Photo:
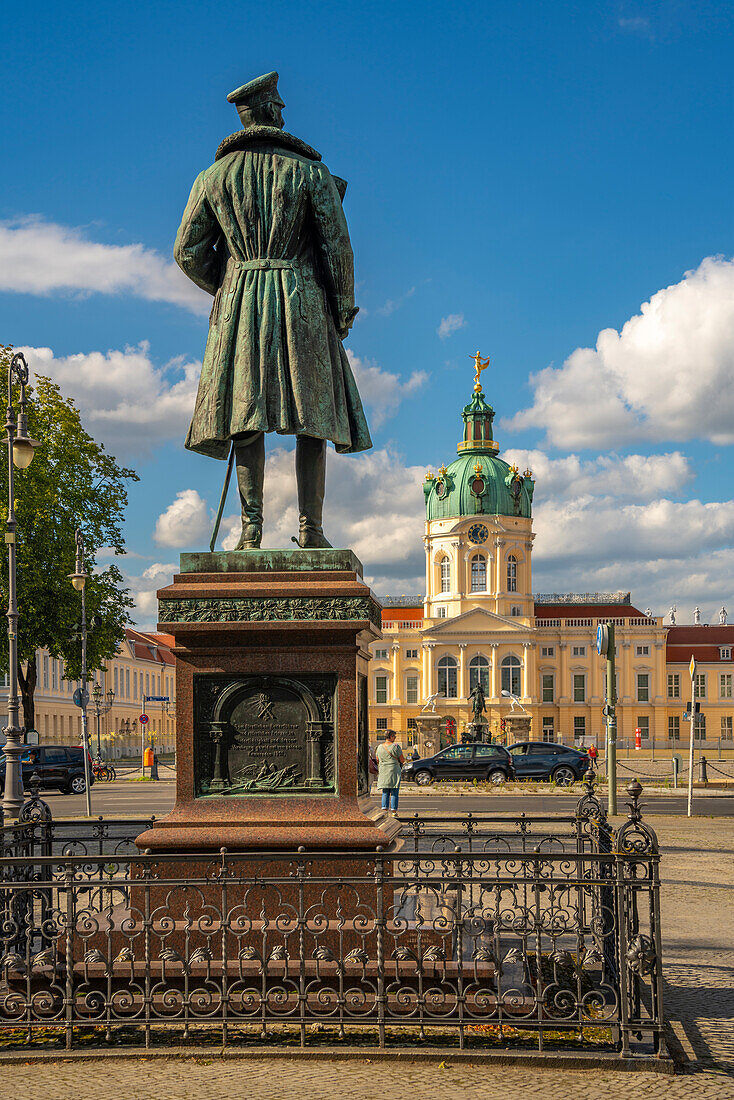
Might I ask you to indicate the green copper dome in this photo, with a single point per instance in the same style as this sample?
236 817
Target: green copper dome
478 482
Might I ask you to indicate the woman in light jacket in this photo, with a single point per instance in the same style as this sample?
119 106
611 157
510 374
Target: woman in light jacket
390 762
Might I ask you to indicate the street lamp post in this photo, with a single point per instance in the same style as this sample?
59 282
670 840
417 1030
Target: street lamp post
102 705
20 454
79 580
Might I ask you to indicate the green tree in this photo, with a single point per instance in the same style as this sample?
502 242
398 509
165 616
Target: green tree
72 482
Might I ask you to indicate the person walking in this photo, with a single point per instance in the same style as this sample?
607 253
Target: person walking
390 762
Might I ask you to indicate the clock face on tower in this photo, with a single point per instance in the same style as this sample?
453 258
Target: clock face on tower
478 533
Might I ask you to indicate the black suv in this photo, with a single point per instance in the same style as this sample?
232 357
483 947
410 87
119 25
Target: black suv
544 760
58 766
473 761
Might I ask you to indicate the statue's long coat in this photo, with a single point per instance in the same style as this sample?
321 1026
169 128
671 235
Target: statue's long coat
265 233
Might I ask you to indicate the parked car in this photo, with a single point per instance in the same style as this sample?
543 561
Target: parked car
544 760
58 766
471 761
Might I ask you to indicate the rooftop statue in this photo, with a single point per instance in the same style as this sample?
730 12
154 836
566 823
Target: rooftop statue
264 233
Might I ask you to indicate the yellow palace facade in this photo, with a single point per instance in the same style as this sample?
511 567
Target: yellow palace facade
535 656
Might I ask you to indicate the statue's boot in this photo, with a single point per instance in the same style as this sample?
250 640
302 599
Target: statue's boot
249 453
311 480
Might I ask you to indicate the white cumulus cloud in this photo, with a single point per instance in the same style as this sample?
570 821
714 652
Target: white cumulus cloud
185 521
666 375
631 477
126 400
450 324
40 257
381 390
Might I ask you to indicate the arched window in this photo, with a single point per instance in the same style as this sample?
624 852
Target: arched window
479 673
447 677
512 573
511 675
445 575
478 574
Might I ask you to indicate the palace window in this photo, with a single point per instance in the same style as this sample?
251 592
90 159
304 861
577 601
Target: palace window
643 723
411 654
445 575
700 685
45 673
643 687
674 727
127 683
380 689
725 685
381 723
548 729
515 611
478 574
447 677
479 673
642 651
512 573
699 727
673 685
54 677
381 654
727 727
411 689
579 727
725 652
441 613
578 650
548 688
579 688
116 681
547 651
511 675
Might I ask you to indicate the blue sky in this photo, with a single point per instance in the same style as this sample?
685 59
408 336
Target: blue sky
529 174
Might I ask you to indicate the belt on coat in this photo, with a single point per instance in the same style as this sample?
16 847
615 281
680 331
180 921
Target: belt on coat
264 264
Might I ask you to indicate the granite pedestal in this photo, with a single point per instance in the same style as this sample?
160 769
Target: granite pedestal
271 703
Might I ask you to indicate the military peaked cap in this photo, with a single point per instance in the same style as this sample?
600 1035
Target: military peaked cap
263 89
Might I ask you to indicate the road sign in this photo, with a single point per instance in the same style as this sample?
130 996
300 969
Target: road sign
602 639
157 699
81 700
143 719
692 666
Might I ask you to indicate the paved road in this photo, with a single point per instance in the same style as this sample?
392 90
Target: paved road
125 798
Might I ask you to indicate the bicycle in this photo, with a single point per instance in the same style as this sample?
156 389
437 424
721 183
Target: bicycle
103 773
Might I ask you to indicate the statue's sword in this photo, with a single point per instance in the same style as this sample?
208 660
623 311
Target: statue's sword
222 499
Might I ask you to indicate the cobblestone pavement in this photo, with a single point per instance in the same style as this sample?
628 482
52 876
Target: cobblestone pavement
698 931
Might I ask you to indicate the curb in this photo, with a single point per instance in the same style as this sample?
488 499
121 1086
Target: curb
579 1060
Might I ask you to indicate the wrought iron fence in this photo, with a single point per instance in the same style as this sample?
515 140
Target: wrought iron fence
470 927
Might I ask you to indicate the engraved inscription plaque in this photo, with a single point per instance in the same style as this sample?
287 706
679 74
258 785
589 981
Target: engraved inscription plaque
263 735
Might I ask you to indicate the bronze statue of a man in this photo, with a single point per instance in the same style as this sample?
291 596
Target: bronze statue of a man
264 232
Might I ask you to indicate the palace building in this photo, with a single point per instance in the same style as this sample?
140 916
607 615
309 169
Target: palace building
535 655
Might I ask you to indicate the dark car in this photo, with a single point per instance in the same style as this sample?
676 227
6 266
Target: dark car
473 761
58 766
544 760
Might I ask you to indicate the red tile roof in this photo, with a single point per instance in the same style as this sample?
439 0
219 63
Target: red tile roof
701 642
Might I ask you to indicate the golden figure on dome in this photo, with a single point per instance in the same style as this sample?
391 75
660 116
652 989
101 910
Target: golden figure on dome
479 365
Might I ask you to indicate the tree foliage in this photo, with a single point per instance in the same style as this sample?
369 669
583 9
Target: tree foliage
72 482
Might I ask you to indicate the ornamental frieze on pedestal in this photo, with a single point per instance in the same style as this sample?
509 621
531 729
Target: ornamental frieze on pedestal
268 609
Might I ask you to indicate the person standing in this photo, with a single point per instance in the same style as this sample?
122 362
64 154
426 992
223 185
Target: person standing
592 753
390 762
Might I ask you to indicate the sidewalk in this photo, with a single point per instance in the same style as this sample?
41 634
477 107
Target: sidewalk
698 934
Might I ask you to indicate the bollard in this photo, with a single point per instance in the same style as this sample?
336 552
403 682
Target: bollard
675 772
704 772
154 767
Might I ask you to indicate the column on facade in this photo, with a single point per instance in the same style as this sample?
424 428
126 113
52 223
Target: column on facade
494 684
428 668
462 671
564 692
396 691
526 669
498 585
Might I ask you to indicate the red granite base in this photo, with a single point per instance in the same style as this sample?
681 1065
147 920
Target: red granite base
342 819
